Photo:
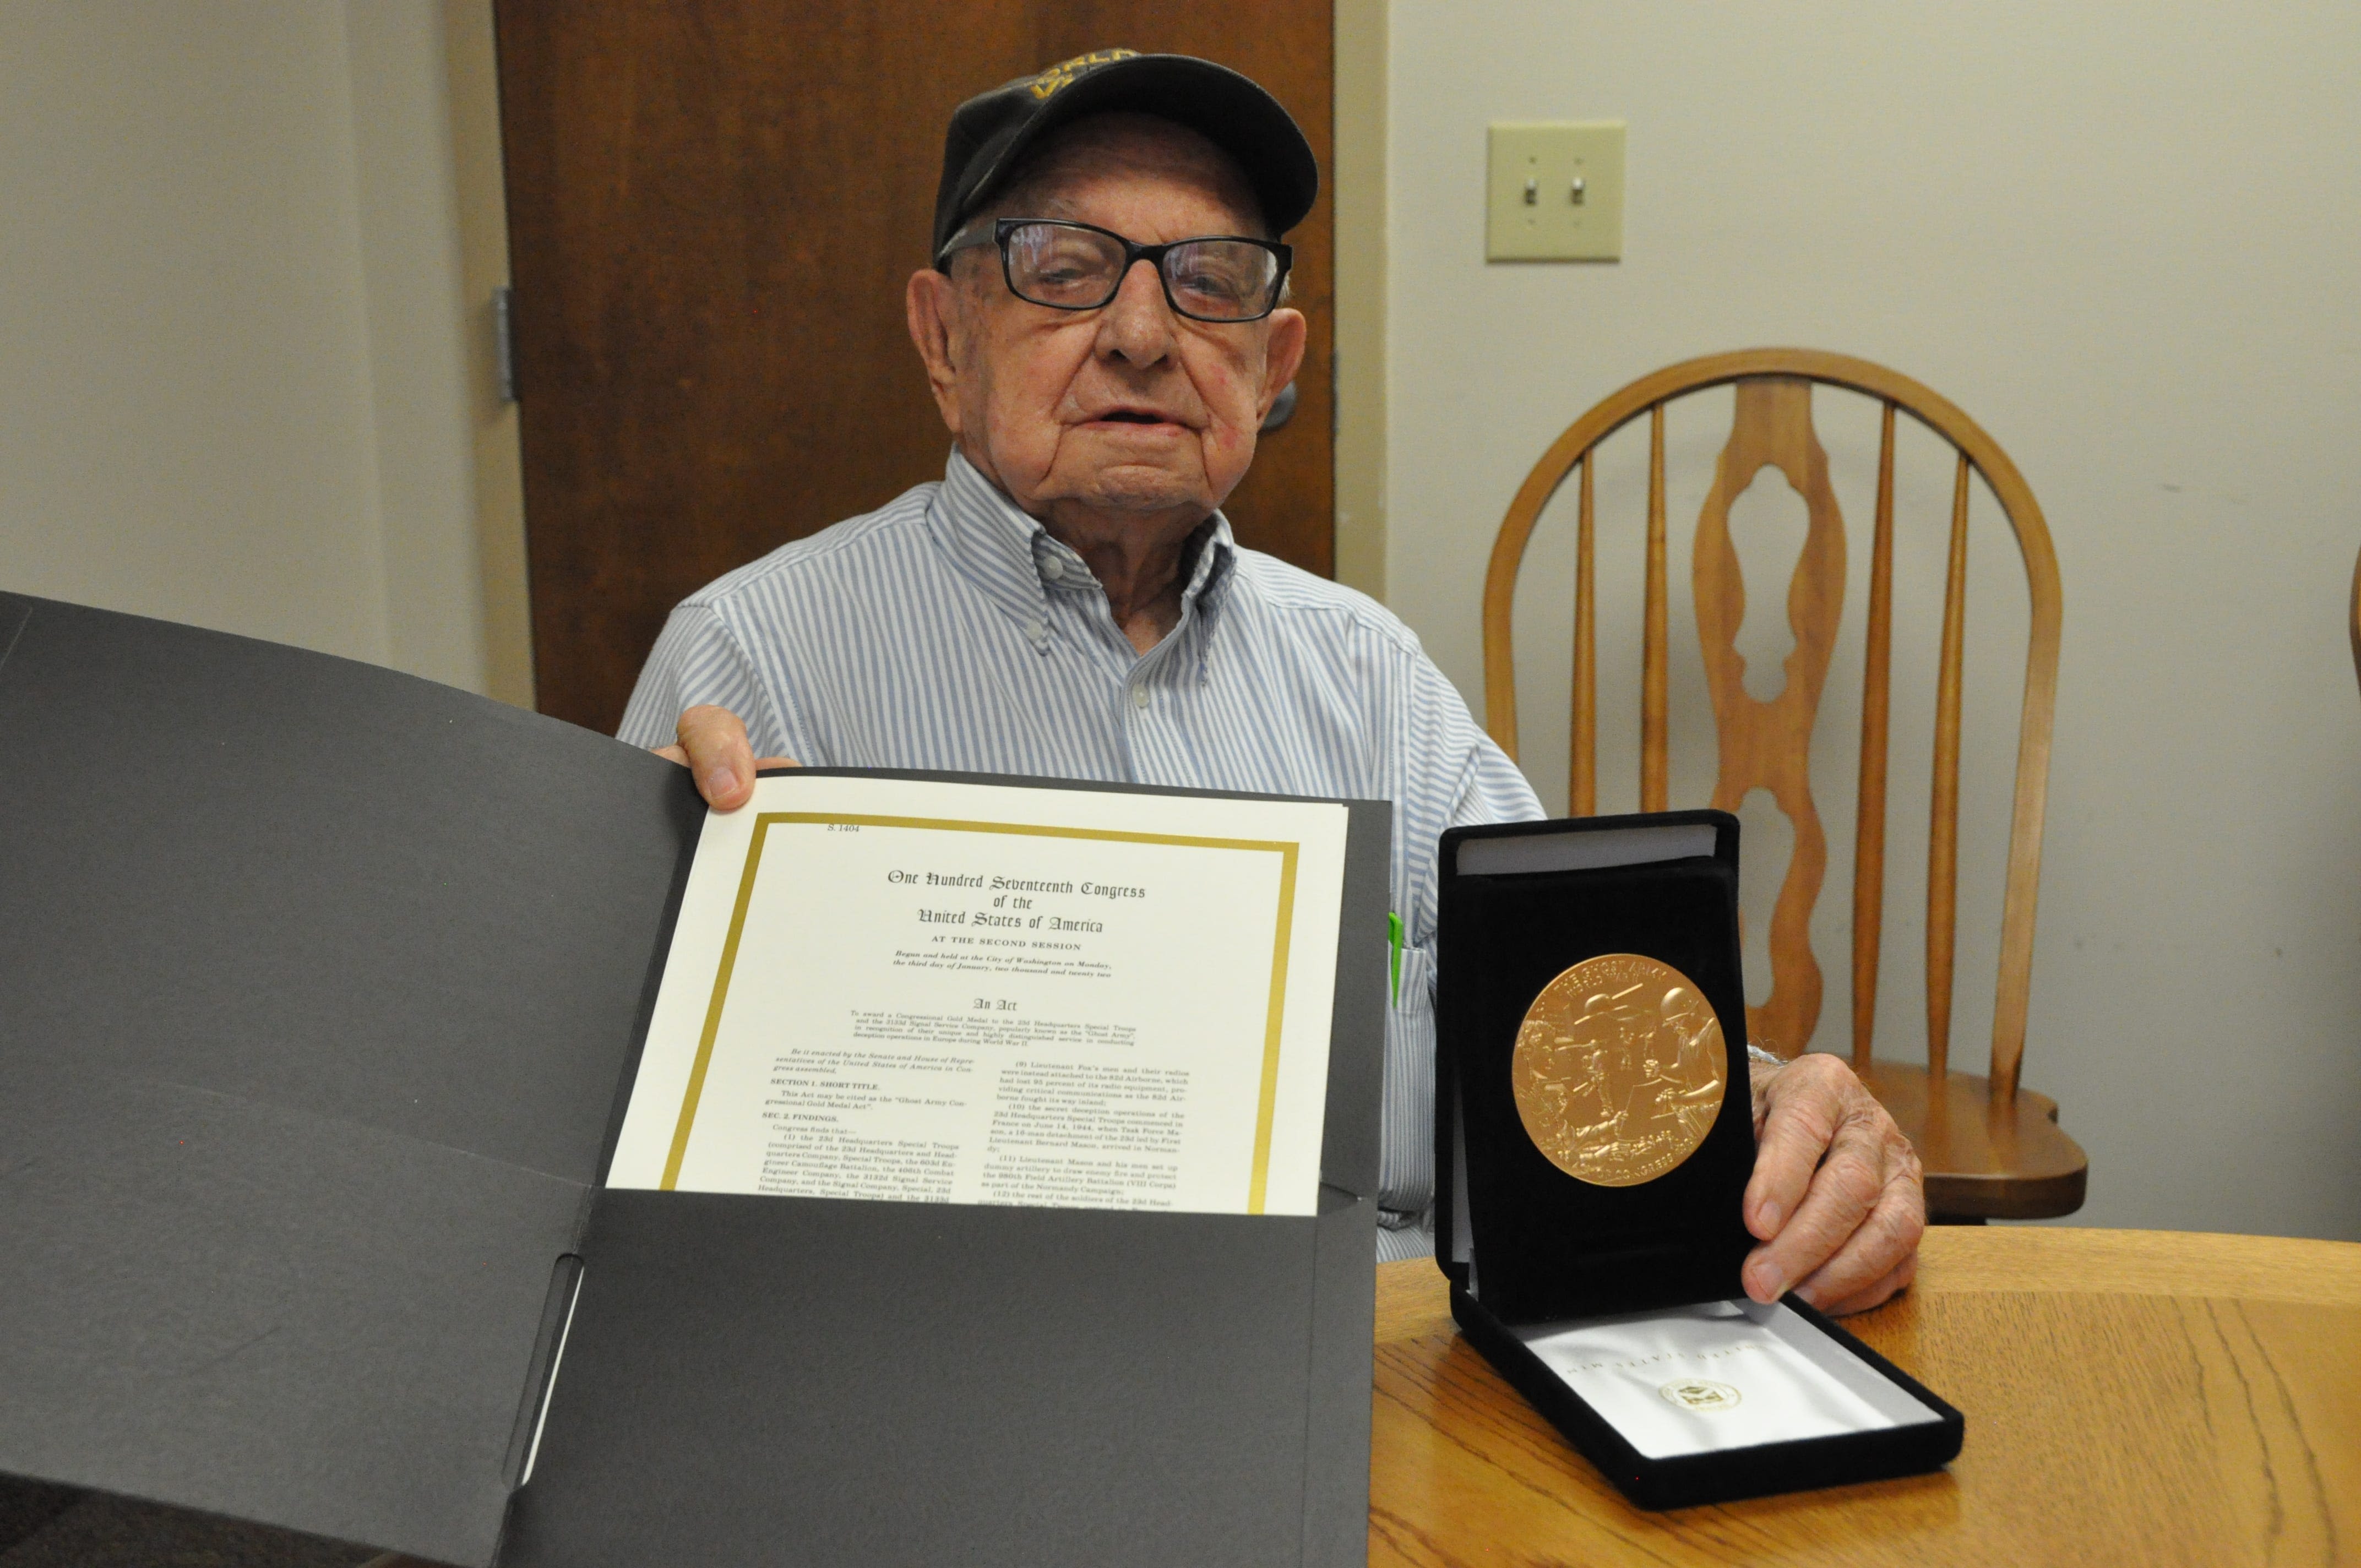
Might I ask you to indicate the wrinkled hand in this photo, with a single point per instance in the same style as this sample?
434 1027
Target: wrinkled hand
1837 1198
714 748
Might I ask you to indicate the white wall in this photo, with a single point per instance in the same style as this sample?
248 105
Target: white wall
2129 241
233 366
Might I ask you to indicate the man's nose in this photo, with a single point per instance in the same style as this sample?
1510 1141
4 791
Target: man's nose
1137 323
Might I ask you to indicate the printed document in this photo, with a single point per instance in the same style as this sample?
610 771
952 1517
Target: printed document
983 993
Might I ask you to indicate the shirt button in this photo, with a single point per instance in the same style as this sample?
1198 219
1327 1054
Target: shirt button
1035 630
1140 697
1053 568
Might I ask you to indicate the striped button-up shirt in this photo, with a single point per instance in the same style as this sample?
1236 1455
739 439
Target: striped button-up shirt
949 631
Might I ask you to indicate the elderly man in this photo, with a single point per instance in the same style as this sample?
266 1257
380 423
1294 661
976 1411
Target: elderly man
1104 329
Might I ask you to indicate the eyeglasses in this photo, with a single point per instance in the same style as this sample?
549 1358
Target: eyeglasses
1078 266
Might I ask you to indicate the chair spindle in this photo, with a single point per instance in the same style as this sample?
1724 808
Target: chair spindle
1656 745
1582 771
1583 761
1869 839
1943 826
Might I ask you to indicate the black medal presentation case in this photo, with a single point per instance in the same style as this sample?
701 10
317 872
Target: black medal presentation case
1617 1309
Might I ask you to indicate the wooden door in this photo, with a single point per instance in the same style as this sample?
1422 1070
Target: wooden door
712 207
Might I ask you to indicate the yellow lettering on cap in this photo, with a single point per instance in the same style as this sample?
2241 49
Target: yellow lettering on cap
1063 74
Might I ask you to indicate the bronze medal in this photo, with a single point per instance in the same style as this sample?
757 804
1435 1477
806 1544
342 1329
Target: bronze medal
1619 1070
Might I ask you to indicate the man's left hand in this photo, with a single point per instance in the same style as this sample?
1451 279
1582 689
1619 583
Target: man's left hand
1838 1199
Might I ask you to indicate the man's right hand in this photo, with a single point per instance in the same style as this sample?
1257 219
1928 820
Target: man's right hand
714 749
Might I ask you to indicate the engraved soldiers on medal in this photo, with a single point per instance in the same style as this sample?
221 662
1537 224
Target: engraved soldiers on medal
1619 1070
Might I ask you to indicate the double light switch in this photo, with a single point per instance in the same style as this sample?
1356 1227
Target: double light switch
1556 191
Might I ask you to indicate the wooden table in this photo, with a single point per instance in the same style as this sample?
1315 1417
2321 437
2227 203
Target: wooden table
2133 1396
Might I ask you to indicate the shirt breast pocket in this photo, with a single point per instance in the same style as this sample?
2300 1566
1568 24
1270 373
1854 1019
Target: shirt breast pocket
1413 989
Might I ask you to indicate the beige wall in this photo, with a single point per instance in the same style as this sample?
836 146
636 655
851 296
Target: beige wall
2125 240
231 315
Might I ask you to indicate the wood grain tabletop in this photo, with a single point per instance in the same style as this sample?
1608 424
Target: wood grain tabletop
2132 1397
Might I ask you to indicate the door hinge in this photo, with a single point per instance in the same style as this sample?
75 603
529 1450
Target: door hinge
504 364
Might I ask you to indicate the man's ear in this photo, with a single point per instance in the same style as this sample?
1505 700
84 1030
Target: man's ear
932 304
1283 356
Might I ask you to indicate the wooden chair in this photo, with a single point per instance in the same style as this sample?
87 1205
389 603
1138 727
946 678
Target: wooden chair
1991 1149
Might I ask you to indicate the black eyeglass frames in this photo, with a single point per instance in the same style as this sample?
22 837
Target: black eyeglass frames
1081 266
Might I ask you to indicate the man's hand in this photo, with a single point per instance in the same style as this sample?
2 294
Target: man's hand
1837 1198
713 747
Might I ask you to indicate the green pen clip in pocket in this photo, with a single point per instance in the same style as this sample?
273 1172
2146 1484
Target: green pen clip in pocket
1393 959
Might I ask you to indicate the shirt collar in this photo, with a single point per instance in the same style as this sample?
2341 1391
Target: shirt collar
1012 558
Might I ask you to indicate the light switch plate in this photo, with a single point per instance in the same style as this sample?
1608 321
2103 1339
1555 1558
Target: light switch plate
1556 191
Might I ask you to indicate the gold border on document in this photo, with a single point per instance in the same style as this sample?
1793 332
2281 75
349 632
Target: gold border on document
1258 1181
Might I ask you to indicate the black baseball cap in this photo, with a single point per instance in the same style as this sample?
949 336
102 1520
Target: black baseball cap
991 132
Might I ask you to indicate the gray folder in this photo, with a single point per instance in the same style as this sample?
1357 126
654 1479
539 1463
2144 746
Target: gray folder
320 989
